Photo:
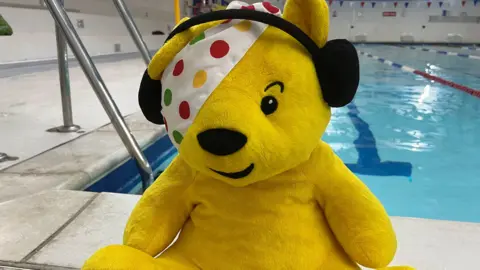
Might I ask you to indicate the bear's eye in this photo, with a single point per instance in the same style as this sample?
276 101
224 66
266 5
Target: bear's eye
269 105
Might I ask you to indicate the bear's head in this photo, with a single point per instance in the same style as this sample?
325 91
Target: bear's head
243 101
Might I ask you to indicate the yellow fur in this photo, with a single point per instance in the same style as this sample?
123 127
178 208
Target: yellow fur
311 16
300 208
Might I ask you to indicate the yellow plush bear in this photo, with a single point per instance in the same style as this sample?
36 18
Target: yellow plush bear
245 94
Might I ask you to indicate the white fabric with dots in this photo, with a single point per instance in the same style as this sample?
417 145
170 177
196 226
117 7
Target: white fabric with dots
201 66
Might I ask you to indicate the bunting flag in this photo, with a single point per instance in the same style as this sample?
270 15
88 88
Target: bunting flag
440 4
330 2
429 4
395 4
362 4
341 3
475 2
406 4
384 4
463 3
373 4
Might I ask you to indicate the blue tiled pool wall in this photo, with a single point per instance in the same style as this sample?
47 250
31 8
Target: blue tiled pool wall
126 177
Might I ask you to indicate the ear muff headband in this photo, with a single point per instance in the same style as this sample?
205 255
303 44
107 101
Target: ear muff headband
336 64
251 15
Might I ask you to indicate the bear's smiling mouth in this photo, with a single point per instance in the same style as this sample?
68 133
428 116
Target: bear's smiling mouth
237 175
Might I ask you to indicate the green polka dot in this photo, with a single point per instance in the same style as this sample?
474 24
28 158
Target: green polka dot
167 97
177 136
198 38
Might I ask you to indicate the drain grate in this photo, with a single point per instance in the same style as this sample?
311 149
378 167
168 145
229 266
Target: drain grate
117 47
4 157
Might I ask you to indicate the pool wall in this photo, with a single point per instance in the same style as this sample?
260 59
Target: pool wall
126 177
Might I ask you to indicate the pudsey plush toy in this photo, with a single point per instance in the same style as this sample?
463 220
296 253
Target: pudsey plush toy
245 94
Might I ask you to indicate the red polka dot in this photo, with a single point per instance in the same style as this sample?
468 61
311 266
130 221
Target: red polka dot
179 66
219 49
184 110
166 125
251 7
270 8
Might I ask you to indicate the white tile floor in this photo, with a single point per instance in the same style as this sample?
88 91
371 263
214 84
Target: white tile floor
27 222
65 161
30 104
86 225
88 231
76 164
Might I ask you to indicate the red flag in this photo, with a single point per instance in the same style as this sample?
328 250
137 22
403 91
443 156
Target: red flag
463 3
330 2
429 4
395 4
362 4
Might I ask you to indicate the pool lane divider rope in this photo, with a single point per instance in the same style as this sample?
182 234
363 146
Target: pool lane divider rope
466 89
463 55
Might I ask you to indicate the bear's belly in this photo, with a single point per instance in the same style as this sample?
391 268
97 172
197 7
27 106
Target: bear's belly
259 227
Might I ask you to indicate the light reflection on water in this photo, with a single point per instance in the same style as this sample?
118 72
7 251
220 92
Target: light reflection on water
434 127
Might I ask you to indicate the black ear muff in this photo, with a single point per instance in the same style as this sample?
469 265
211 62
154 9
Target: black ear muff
338 72
150 99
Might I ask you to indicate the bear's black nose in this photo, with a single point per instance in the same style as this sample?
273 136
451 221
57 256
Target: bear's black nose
221 142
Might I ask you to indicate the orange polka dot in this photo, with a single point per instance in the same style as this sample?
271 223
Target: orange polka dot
199 79
243 26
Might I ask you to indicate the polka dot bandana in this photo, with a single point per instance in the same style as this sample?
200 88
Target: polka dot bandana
202 65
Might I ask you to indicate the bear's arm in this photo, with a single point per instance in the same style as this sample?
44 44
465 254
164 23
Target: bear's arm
356 217
161 211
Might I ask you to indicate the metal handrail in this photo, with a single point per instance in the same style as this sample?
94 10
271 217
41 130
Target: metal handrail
62 56
133 30
61 18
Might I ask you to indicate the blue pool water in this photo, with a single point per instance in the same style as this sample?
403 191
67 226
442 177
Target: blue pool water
415 143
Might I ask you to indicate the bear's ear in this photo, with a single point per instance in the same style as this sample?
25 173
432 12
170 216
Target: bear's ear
168 51
172 47
150 93
336 63
311 16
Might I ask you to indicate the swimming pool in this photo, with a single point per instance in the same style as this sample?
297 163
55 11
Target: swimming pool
413 142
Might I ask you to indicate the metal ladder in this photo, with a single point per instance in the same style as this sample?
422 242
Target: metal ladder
66 33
